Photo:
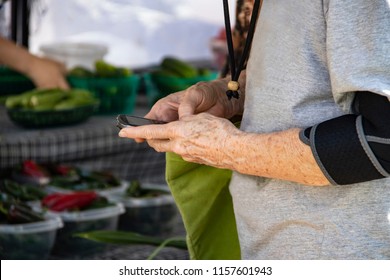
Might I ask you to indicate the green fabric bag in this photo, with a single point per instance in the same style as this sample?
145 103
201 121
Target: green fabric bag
202 195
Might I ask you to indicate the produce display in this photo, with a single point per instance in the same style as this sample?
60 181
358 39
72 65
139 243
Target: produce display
68 178
75 201
29 172
65 178
21 192
51 99
150 209
25 233
103 69
115 87
13 211
38 219
135 189
174 75
51 107
174 67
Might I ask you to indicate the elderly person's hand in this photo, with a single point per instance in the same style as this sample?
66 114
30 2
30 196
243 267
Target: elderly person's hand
197 138
206 97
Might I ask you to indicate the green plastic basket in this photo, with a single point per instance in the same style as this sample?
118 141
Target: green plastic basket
116 95
49 118
12 82
158 86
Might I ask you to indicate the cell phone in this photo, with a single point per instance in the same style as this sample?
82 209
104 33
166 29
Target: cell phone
127 120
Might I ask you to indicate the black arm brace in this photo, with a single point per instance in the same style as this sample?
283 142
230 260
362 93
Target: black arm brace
354 148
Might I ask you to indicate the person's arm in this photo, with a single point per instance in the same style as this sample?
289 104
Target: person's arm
45 73
209 140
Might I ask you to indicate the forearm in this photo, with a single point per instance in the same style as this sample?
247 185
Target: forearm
14 56
280 155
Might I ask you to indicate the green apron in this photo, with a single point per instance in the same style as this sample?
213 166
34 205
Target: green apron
202 195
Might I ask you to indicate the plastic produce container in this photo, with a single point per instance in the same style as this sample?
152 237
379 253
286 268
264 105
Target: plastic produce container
74 54
104 192
30 241
83 221
117 94
155 216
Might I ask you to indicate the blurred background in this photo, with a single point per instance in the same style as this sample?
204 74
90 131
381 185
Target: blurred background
137 33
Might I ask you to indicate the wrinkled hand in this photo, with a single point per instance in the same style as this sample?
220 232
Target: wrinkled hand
47 73
197 138
208 97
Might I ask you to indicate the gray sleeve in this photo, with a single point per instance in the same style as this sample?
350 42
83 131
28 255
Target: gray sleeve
355 148
358 46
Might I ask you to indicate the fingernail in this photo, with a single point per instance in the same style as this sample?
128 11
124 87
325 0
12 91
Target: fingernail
122 133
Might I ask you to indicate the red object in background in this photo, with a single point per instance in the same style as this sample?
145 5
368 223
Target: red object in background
68 201
218 46
63 169
31 168
221 34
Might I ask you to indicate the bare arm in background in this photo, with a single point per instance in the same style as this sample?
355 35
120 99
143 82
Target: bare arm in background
45 73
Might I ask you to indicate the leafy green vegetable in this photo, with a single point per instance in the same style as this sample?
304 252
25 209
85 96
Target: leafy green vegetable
132 238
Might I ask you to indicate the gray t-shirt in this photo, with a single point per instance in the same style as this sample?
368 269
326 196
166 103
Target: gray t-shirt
308 58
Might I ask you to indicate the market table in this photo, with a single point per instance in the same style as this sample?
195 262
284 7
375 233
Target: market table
92 144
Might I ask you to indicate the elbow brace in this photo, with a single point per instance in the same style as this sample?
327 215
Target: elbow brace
354 148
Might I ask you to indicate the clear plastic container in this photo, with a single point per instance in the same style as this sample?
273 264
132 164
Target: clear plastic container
156 216
75 54
30 241
104 192
84 221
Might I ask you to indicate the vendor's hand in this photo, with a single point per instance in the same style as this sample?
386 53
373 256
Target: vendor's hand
197 138
47 73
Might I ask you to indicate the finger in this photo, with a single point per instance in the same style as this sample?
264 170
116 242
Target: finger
188 105
164 110
160 145
139 140
159 131
64 85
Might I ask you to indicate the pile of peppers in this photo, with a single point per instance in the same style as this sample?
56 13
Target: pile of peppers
75 201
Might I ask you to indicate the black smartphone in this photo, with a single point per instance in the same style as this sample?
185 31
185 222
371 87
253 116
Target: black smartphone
127 120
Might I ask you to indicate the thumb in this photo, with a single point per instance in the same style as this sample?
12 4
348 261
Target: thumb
189 104
186 109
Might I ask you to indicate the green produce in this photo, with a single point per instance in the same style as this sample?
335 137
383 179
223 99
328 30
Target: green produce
128 238
132 238
135 190
102 70
79 71
21 192
47 100
179 67
51 99
15 212
23 100
204 72
82 180
106 70
73 103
